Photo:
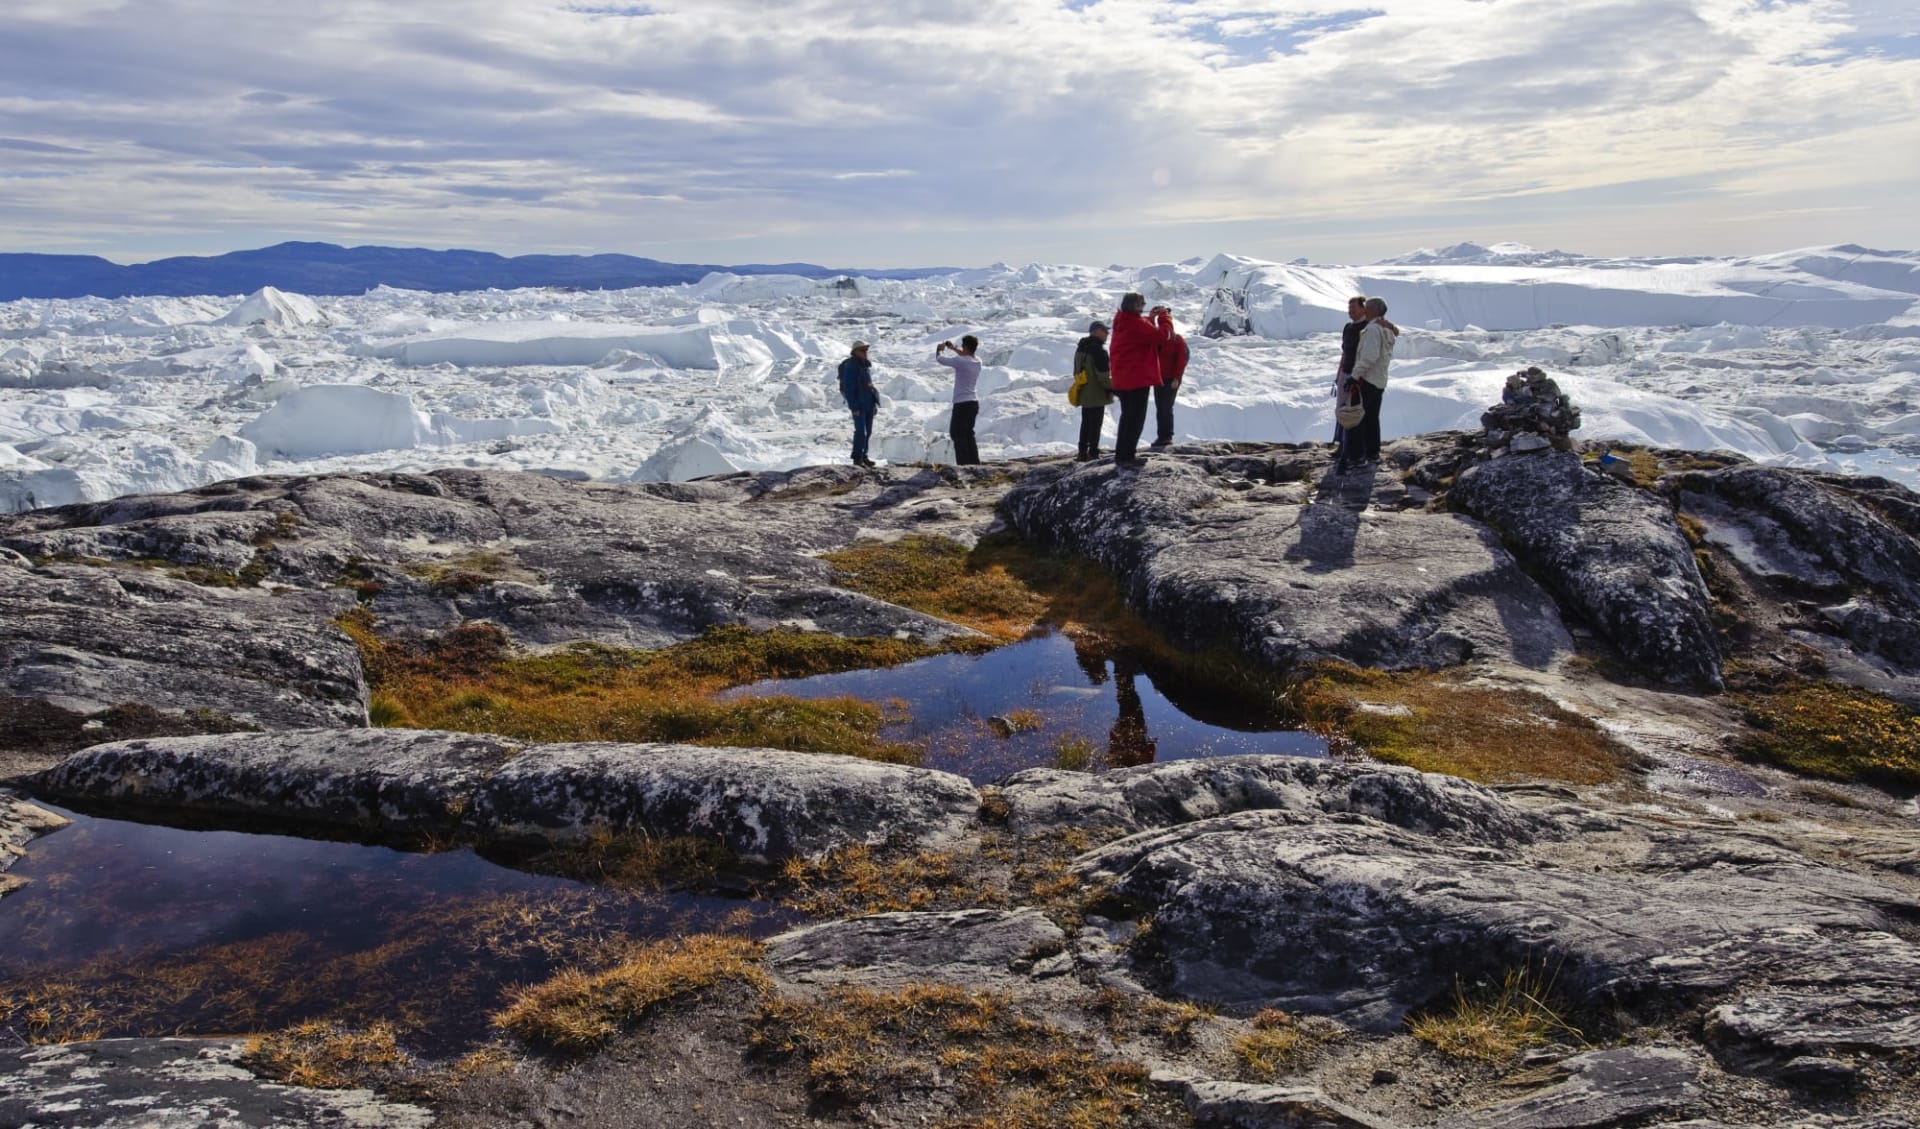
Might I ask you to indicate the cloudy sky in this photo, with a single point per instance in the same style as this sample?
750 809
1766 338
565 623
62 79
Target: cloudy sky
918 132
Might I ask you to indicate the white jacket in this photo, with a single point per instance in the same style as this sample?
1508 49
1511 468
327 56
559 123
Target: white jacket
1374 354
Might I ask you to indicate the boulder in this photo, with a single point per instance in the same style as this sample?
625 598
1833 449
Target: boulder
1288 583
1246 1105
1611 553
174 1084
764 804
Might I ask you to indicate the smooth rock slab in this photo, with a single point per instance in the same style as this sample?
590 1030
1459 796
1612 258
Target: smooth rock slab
175 1084
974 948
1151 796
356 781
1287 583
1611 552
1341 914
1618 1087
86 639
1244 1105
762 803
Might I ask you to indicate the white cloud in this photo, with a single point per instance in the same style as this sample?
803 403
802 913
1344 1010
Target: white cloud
864 132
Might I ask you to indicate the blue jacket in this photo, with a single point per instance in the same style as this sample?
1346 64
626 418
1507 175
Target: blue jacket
856 384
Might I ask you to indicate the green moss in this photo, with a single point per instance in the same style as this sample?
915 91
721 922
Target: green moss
1828 729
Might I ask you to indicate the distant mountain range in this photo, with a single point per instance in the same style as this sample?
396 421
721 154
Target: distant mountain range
324 268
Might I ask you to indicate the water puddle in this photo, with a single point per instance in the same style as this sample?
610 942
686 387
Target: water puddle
1045 701
134 929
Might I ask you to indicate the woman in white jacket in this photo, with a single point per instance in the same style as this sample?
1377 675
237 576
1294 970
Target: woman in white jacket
1370 362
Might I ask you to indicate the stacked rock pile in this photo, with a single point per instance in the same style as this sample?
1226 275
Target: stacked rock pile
1532 415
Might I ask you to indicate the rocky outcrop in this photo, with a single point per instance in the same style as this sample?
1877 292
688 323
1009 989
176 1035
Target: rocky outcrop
1342 913
1612 553
1130 800
763 804
1211 561
548 560
1625 1086
1849 548
84 639
175 1084
20 823
972 948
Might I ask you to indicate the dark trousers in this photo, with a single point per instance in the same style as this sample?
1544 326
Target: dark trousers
1163 395
966 452
862 431
1092 419
1133 420
1365 444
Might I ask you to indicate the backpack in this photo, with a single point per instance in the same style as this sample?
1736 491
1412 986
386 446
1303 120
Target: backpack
1079 382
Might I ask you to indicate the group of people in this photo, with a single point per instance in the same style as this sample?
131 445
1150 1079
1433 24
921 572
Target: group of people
1366 351
1140 357
1147 357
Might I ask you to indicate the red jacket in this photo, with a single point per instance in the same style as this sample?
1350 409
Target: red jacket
1135 350
1173 357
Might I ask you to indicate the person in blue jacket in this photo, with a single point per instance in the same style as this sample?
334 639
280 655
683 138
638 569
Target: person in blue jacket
863 400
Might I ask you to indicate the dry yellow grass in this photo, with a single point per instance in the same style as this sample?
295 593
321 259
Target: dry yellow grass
1006 1070
471 680
1494 1022
1827 729
325 1055
579 1010
1433 722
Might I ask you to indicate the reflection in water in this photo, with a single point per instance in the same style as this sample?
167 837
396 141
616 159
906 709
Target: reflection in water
130 929
1054 692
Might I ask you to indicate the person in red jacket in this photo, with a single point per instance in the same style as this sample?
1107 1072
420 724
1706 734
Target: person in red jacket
1173 366
1135 364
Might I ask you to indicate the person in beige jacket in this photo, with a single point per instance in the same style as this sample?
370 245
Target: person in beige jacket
1370 362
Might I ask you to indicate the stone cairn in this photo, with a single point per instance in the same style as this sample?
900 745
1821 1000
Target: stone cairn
1532 415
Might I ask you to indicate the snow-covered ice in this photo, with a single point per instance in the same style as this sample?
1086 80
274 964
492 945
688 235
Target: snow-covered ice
1807 358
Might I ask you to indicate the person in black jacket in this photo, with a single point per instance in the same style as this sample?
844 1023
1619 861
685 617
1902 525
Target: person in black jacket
863 399
1097 392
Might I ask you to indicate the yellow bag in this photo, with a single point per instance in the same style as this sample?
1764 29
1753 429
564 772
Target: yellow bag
1079 382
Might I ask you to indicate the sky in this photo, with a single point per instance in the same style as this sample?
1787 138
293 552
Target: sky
940 132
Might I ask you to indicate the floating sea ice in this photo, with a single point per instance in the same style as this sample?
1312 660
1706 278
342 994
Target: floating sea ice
683 458
796 397
268 306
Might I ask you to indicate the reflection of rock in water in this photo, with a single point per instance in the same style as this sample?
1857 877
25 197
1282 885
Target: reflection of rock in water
1127 741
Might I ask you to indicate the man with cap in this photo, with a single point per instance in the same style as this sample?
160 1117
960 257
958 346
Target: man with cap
863 400
1097 392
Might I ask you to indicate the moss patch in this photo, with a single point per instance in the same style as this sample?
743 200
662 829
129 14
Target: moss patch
1002 1068
471 680
577 1011
1827 729
1433 722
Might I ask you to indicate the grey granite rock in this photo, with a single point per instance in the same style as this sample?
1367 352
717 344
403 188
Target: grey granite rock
976 948
1847 544
761 803
1345 915
1610 552
1129 800
1601 1090
1245 1105
20 824
1288 583
375 783
86 638
175 1084
372 782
